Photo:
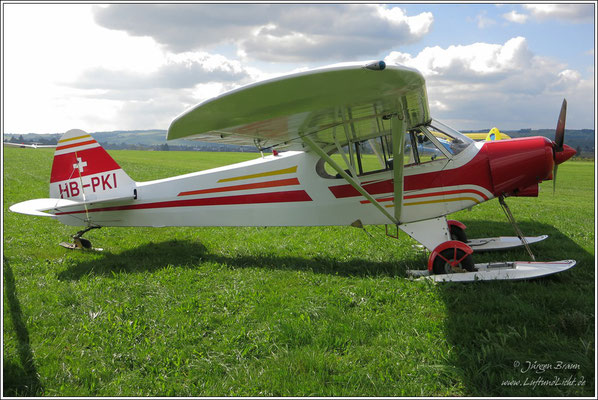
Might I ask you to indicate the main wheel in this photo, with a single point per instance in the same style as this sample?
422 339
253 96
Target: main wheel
444 260
458 233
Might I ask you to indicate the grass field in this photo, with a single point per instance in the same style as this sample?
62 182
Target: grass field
288 311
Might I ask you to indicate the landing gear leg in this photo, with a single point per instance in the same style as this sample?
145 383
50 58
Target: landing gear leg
507 211
79 242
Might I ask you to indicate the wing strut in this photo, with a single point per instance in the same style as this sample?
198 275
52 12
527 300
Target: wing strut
397 126
318 150
342 153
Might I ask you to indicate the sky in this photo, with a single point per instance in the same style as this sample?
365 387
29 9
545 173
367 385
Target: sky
137 66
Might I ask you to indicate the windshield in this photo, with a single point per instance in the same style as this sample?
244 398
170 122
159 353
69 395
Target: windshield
452 140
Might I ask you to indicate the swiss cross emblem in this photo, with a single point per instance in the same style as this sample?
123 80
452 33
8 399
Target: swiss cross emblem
80 164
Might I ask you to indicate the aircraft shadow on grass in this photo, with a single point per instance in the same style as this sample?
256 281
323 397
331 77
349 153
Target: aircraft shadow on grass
190 253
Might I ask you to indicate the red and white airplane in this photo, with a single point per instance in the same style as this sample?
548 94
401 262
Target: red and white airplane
345 146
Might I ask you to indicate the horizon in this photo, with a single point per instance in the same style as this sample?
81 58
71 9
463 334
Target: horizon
480 130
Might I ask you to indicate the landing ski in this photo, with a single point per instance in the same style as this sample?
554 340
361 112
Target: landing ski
515 270
501 242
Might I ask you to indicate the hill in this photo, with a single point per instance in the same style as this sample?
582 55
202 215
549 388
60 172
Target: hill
153 139
583 140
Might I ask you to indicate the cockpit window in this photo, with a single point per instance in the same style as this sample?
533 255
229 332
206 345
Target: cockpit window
453 141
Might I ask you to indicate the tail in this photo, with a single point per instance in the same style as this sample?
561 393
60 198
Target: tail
84 172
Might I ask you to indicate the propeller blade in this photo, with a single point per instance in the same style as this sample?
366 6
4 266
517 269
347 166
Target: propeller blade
559 134
559 140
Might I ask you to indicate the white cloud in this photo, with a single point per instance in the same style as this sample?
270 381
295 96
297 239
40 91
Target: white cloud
567 12
514 16
419 25
48 44
179 72
62 71
478 59
485 84
272 32
483 21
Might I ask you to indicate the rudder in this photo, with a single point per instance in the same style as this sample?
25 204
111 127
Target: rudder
82 170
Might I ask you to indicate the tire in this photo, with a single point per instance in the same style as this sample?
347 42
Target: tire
440 266
458 234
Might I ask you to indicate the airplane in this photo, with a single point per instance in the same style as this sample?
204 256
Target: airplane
318 124
29 145
493 134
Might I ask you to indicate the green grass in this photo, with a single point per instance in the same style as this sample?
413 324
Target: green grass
287 311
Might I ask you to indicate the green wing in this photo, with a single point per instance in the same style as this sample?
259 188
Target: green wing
279 112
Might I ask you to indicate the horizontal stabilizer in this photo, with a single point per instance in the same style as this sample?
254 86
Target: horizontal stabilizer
39 207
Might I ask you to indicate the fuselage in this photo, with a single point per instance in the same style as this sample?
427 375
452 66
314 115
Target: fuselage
288 190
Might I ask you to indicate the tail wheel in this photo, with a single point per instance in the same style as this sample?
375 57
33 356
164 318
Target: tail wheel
458 233
453 260
82 243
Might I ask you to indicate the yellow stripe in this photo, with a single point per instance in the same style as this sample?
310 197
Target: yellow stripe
437 201
73 138
442 201
269 173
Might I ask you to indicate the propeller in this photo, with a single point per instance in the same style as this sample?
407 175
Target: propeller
559 140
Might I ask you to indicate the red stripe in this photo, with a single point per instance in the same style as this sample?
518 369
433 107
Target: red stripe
415 196
68 146
260 198
281 182
343 191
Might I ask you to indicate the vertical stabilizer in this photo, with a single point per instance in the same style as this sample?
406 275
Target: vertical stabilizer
83 171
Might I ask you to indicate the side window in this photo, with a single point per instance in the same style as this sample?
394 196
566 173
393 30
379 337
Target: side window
365 157
373 155
411 152
410 156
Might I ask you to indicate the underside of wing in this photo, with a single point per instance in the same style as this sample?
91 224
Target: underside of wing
331 105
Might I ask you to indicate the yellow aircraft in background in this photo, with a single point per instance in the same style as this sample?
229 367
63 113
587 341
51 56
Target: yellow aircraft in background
493 134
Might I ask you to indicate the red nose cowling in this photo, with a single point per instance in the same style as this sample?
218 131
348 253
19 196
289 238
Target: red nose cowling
518 165
562 156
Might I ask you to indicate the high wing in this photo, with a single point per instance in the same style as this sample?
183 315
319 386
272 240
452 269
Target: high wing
316 111
278 112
